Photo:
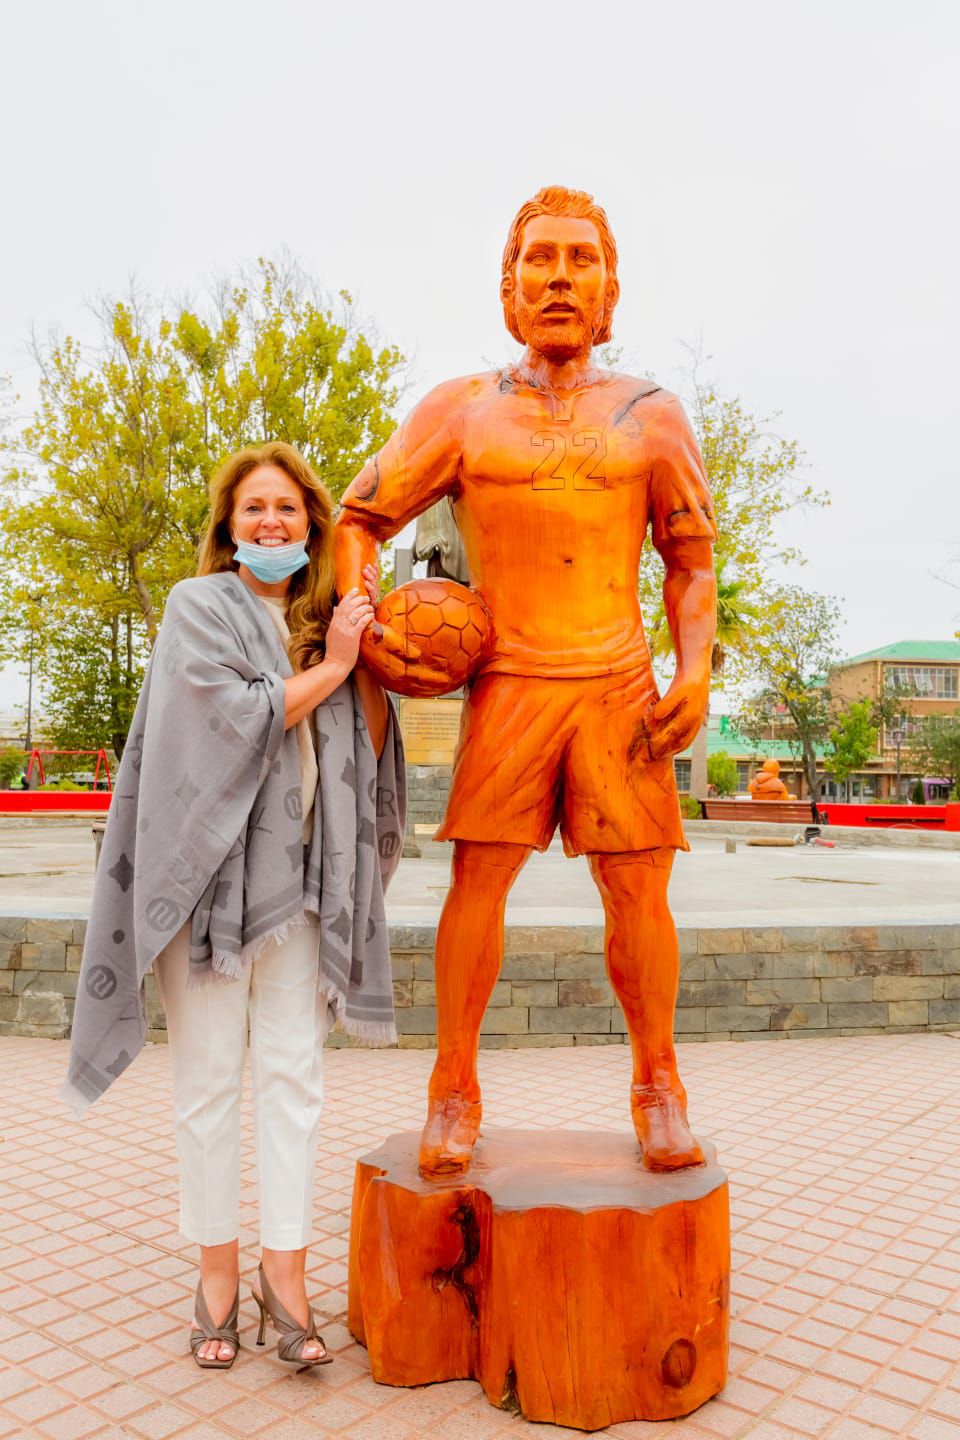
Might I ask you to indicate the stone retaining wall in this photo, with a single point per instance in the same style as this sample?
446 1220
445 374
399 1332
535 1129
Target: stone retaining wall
735 983
427 789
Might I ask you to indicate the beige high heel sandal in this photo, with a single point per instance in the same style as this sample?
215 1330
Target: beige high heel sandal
292 1336
228 1333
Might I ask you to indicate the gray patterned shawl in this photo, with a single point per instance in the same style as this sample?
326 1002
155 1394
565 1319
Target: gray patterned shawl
206 824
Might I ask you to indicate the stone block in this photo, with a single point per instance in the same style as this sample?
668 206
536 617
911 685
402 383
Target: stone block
784 991
693 967
512 1020
423 966
688 942
584 992
43 955
577 1019
738 1017
13 927
528 967
79 930
580 967
402 994
553 939
846 1014
598 1040
712 992
849 988
940 962
416 1042
413 937
41 931
919 937
807 938
888 962
752 965
689 1020
43 1010
951 987
532 1042
805 964
402 965
417 1020
424 992
500 996
9 954
533 992
763 941
908 987
944 1012
74 955
9 1007
6 982
908 1012
850 937
720 942
44 982
798 1017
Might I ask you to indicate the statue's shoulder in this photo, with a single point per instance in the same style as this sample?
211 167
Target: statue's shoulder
457 395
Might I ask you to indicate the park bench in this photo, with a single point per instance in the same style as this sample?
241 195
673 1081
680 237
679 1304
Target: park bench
776 812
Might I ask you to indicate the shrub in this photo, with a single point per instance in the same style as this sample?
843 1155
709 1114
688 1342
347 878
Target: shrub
918 796
722 773
690 808
12 762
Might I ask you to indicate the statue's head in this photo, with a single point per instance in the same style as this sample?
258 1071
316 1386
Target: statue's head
559 281
771 767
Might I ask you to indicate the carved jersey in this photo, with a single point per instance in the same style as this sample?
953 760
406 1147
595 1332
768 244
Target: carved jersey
553 495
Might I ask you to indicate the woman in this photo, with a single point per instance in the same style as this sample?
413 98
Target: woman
258 815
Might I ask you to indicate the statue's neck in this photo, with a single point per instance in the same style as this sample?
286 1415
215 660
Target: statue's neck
546 374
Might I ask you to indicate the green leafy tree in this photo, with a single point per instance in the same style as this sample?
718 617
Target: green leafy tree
918 795
12 762
722 773
755 480
104 495
935 749
853 740
794 702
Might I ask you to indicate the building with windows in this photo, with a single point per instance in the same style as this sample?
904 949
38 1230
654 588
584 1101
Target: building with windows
924 673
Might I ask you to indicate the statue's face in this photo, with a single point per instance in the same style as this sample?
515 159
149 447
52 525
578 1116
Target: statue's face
559 285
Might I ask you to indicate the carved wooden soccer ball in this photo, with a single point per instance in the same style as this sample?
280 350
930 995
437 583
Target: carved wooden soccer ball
449 624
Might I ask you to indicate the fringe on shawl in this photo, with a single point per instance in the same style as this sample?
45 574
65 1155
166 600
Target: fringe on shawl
225 969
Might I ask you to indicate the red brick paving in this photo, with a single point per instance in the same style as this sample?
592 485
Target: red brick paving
844 1161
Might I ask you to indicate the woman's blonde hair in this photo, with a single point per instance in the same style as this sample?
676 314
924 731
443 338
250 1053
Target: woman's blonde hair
309 600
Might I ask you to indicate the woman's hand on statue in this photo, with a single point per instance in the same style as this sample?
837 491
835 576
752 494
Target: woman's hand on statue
350 618
674 721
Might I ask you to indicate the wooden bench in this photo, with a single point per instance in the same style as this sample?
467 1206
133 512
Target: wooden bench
776 812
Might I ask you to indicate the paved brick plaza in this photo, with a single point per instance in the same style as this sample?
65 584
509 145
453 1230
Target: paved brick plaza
844 1159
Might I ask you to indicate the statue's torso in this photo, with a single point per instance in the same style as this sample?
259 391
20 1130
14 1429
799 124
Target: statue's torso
552 504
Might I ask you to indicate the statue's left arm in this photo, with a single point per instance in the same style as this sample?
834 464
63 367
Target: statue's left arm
683 532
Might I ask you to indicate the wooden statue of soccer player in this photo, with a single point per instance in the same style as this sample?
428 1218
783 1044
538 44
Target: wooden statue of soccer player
556 468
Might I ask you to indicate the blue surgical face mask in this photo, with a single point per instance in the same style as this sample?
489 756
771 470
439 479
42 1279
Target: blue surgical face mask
272 563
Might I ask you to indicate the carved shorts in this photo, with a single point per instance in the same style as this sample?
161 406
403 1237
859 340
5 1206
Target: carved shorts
534 754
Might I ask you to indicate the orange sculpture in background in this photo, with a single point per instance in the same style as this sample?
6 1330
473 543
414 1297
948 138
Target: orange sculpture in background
767 785
556 468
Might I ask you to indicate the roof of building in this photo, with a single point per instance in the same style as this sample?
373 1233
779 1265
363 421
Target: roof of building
938 650
723 736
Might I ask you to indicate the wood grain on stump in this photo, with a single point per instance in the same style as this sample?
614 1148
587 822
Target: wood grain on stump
574 1285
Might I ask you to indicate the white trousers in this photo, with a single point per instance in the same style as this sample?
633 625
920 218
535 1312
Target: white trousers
207 1031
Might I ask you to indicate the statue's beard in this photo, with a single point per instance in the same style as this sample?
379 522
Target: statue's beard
557 340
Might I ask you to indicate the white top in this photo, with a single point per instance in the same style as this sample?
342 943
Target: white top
306 741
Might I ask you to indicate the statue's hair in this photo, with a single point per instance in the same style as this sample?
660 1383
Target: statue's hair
309 600
558 200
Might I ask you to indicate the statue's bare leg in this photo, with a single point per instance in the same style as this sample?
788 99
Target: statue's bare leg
643 963
468 959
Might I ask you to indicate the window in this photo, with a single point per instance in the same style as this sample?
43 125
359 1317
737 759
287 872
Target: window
938 682
681 769
743 777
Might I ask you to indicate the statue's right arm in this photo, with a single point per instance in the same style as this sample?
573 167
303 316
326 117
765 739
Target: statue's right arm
419 464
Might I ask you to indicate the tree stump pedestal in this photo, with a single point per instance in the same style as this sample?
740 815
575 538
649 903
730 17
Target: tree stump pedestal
572 1284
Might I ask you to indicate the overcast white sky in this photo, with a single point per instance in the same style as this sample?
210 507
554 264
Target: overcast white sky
781 179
